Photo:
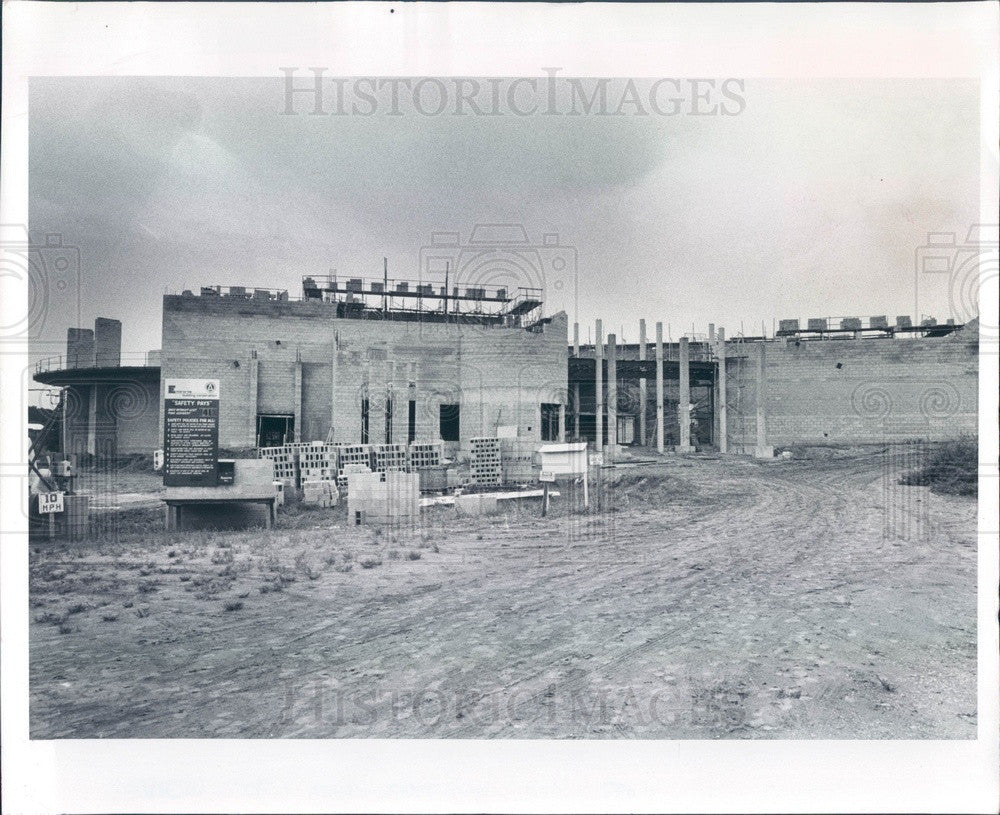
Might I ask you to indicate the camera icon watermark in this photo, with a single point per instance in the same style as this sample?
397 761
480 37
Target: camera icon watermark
966 271
51 271
500 263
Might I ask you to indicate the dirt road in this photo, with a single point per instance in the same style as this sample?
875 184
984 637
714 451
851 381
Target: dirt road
705 599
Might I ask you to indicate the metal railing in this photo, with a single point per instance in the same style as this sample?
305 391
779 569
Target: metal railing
65 362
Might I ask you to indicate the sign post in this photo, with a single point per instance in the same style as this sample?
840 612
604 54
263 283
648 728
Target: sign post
191 433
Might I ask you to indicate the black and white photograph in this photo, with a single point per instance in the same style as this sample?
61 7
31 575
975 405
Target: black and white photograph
424 380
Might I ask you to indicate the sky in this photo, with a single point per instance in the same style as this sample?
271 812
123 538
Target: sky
810 201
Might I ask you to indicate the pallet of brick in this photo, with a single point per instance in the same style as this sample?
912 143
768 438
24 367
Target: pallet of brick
425 454
485 463
389 457
319 462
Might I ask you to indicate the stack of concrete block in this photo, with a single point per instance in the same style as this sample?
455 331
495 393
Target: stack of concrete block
285 463
386 499
318 462
344 477
389 458
433 478
352 454
425 454
485 461
320 493
519 461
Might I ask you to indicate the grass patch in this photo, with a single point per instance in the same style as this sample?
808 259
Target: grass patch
371 562
952 468
233 605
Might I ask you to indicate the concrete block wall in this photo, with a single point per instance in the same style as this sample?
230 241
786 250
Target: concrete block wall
299 359
855 391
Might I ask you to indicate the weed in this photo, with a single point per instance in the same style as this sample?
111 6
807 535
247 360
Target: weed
343 568
393 554
148 586
109 618
76 609
65 629
233 605
184 578
371 562
413 554
952 469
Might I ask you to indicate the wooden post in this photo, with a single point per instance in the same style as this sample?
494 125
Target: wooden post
684 400
642 385
612 396
599 387
723 424
659 387
545 498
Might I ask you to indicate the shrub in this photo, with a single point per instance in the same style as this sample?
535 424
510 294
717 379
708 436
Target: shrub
413 554
371 562
233 605
951 469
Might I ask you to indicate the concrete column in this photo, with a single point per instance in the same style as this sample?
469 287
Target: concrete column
298 400
92 404
659 387
723 421
253 395
333 389
576 385
612 396
684 400
642 384
762 450
599 386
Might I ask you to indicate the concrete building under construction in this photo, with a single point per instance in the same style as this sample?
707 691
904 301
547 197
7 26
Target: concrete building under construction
382 361
372 362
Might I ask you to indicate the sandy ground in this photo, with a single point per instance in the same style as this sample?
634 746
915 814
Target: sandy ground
706 598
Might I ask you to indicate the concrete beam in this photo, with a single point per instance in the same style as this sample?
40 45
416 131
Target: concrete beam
684 399
599 386
642 384
659 387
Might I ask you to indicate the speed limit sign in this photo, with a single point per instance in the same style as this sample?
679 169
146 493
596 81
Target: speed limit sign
49 502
